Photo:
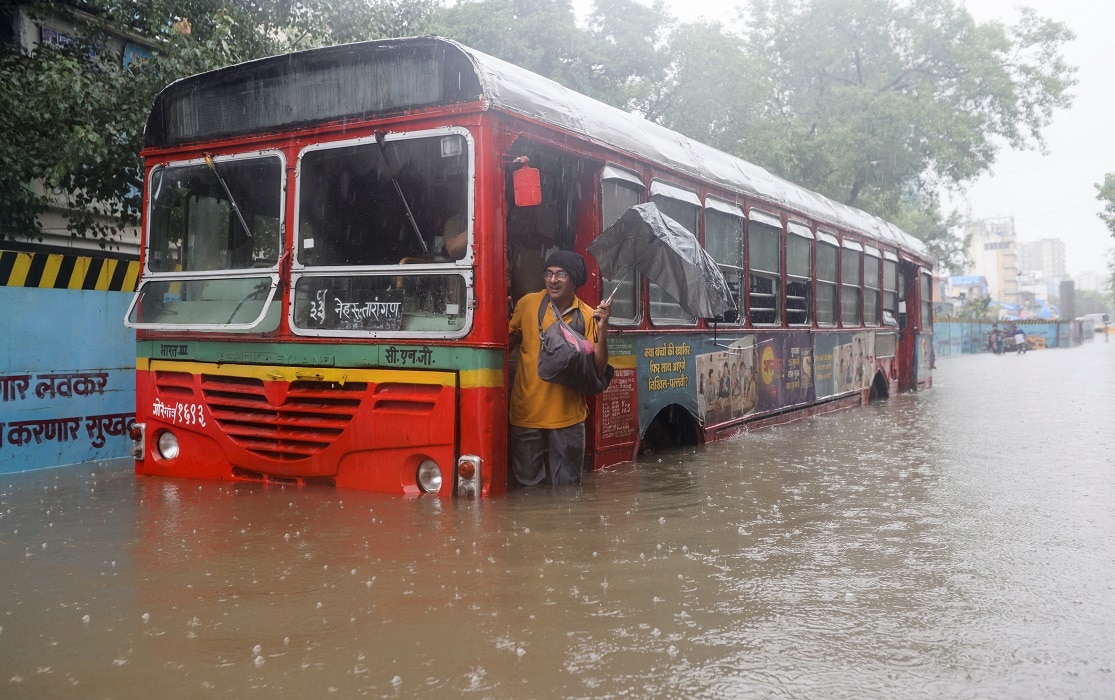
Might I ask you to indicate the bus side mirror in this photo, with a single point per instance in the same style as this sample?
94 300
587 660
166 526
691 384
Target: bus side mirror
528 187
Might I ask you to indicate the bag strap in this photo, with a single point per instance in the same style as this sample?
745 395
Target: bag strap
577 323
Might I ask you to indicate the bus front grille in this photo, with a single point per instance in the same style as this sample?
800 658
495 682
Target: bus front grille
281 421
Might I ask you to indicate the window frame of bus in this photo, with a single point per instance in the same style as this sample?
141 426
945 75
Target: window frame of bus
871 285
926 292
461 269
890 294
721 248
827 243
670 199
799 283
851 294
627 294
760 223
224 277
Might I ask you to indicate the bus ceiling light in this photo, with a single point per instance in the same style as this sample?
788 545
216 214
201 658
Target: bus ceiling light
167 445
468 476
137 432
429 476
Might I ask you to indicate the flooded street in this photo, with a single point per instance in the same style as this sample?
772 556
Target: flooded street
956 543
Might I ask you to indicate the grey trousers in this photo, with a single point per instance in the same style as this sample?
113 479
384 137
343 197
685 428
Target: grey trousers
565 448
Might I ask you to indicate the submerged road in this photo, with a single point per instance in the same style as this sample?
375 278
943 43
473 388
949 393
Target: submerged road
954 543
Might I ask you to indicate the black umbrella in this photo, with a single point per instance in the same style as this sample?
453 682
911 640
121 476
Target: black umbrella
647 240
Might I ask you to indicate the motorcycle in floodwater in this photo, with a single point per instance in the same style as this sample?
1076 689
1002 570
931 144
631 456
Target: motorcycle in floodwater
997 341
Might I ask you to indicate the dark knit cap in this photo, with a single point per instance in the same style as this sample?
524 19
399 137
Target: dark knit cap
572 263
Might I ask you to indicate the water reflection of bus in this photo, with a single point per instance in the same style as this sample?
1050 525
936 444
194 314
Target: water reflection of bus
306 315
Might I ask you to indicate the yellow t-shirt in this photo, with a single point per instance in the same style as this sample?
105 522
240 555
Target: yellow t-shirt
536 403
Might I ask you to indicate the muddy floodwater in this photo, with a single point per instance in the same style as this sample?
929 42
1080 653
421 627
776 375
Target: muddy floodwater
956 543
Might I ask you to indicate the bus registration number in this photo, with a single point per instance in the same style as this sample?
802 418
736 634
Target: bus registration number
179 413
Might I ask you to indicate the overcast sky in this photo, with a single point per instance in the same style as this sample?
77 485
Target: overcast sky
1052 195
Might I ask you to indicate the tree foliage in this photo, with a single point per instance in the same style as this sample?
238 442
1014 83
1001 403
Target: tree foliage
73 125
617 58
876 103
1105 193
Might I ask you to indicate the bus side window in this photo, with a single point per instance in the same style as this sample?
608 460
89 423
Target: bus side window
620 190
724 242
826 279
664 309
764 242
851 283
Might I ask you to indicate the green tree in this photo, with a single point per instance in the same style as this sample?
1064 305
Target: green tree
617 59
539 35
875 103
977 309
1105 193
72 126
712 105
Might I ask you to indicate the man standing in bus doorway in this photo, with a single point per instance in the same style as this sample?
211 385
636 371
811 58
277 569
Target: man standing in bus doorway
546 416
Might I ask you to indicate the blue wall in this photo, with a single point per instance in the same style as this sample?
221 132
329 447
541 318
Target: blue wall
67 377
952 337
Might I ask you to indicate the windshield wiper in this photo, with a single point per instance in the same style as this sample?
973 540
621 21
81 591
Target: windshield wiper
228 193
393 168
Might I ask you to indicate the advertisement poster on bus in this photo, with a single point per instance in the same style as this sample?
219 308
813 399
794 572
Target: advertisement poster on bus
727 382
785 364
843 362
666 369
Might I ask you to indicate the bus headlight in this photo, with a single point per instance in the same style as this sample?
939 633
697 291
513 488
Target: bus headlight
468 476
167 445
429 476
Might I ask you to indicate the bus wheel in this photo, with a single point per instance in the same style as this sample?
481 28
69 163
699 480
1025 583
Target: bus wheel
880 388
672 427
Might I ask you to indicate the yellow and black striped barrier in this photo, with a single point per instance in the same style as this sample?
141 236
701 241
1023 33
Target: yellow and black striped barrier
66 271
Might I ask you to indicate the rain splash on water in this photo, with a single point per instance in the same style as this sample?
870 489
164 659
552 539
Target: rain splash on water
953 543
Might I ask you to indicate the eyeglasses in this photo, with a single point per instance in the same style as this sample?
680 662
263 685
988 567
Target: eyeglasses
559 275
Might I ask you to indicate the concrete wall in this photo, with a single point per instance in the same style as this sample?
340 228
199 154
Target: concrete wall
954 337
67 377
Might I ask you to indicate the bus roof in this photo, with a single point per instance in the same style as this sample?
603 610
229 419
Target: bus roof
278 93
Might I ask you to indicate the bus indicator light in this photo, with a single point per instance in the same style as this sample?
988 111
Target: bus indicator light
137 432
468 476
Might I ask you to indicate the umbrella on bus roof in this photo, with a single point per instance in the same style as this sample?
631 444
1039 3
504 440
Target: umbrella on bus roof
647 240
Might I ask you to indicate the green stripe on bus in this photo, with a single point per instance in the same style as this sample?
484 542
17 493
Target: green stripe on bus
400 355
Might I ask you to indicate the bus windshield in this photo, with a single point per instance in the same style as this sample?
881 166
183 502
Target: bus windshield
216 215
213 245
382 223
380 202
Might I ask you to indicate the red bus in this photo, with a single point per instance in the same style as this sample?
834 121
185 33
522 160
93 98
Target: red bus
309 312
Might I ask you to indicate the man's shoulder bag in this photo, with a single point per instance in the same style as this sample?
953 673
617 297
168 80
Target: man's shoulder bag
566 357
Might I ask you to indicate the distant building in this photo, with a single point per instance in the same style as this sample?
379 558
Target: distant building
1091 281
963 288
994 254
1046 260
1046 256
